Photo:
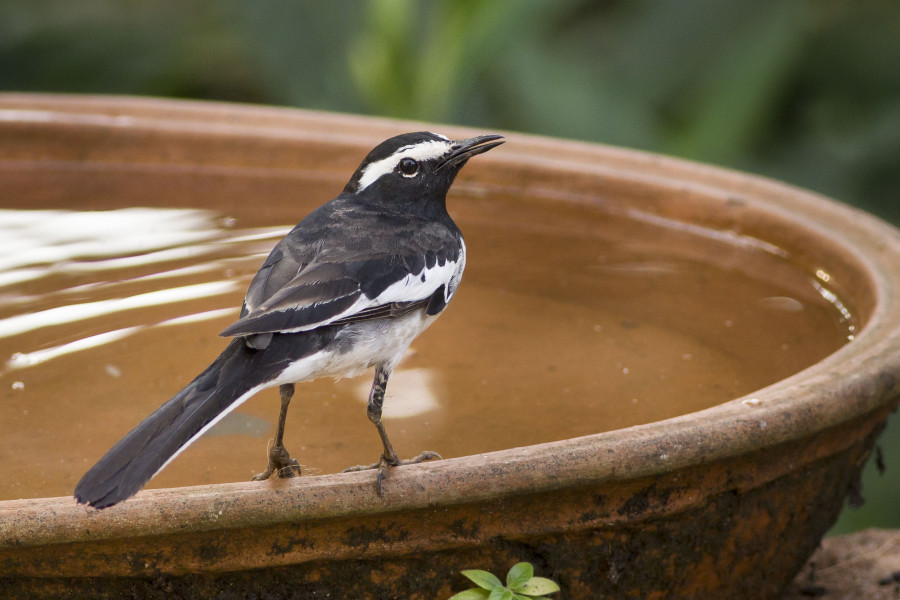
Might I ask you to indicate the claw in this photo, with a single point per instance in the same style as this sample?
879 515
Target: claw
281 465
384 462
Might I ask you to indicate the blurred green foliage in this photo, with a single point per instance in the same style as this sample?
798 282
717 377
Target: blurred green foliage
806 91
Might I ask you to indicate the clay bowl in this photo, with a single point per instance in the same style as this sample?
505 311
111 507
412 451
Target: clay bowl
723 502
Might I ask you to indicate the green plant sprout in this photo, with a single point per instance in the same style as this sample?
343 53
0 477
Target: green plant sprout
521 584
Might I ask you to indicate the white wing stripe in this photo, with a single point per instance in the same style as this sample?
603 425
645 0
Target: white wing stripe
412 287
408 289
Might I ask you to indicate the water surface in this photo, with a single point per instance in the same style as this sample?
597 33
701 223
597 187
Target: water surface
571 319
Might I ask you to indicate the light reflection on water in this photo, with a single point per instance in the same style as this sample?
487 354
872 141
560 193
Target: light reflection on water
71 313
52 238
38 244
21 360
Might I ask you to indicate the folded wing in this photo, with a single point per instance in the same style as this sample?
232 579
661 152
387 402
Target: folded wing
325 293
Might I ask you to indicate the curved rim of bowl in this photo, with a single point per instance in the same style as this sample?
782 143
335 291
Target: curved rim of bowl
853 381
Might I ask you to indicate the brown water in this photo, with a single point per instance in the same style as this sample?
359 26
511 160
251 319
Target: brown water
570 320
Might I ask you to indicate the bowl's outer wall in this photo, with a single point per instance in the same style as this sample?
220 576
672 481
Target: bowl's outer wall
729 501
732 529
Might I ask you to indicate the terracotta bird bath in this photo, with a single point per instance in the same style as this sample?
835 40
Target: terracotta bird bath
722 490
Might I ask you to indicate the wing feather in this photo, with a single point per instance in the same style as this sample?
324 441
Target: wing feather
320 274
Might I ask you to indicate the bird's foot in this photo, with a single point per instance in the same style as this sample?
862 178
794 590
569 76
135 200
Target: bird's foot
281 465
392 461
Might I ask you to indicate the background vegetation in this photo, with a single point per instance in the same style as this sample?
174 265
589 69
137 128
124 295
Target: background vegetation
806 91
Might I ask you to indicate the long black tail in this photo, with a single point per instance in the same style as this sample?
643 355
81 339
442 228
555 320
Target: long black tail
138 456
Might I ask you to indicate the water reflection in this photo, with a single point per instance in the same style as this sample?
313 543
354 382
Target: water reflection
61 315
785 303
103 258
53 237
21 360
410 393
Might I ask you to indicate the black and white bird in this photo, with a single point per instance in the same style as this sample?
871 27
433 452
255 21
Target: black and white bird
347 289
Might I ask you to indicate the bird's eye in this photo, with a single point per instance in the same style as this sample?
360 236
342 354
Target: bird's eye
408 167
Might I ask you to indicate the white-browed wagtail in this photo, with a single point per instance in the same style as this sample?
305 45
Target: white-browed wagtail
347 289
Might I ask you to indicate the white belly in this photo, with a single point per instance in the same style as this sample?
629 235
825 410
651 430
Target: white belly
358 347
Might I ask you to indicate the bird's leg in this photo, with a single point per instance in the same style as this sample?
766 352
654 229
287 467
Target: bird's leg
389 457
280 462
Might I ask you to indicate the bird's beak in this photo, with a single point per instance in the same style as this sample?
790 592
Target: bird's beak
463 150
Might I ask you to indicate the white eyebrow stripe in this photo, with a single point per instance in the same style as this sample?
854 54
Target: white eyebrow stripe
421 151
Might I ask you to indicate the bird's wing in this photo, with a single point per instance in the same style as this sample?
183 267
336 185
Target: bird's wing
321 293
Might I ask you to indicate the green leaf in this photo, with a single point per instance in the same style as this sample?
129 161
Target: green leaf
483 579
538 586
519 575
471 594
521 597
500 593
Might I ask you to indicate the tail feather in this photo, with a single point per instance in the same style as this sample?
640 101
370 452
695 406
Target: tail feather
237 373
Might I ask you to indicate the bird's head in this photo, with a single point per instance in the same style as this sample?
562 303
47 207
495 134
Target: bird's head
416 166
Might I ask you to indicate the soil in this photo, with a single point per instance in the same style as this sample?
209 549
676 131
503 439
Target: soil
863 565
